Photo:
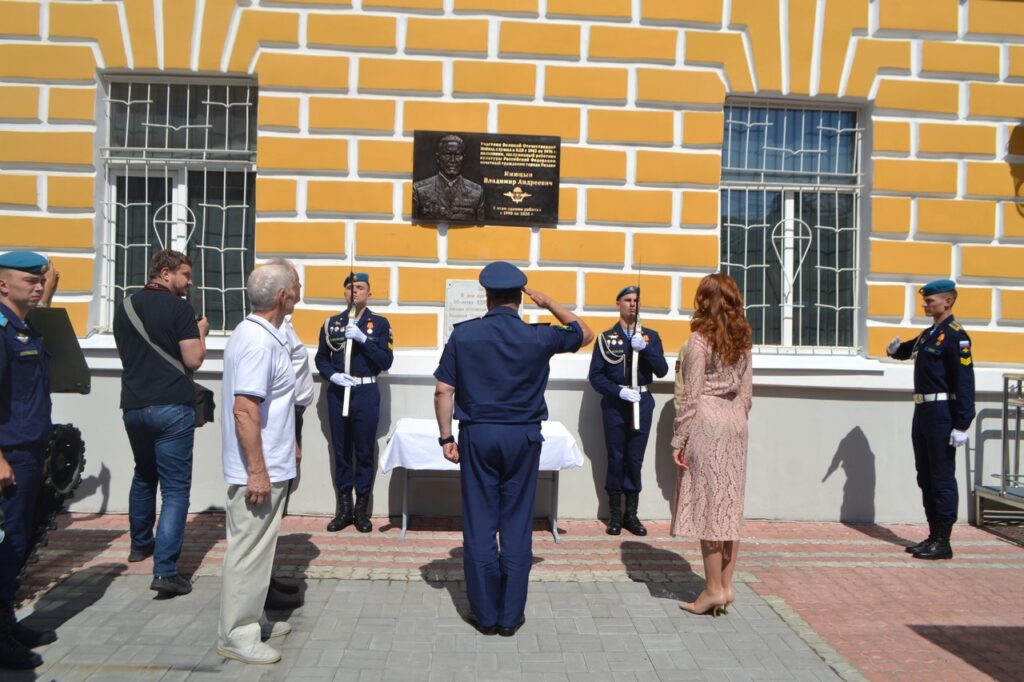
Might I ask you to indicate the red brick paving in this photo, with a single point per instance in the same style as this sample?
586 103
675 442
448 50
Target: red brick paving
890 616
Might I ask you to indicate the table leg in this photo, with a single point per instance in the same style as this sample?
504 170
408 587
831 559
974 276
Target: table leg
405 502
553 508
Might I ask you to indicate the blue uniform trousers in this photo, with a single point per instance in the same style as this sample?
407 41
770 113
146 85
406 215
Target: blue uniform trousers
935 460
625 445
355 435
19 504
499 464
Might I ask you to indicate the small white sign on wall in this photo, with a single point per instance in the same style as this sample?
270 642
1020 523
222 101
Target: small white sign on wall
463 300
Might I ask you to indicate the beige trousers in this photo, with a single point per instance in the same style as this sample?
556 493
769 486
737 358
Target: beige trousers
248 561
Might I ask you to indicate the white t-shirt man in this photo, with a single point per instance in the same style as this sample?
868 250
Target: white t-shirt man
257 363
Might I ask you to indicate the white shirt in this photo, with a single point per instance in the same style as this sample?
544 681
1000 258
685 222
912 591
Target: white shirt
300 363
257 362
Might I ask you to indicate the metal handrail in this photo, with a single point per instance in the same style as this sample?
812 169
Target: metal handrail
1013 396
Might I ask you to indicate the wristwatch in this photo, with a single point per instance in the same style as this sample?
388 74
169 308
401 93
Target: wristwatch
444 441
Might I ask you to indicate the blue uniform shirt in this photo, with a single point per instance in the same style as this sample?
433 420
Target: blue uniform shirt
24 384
368 359
608 368
498 365
943 364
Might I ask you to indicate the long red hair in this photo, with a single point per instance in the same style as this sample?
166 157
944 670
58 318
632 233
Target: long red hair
718 315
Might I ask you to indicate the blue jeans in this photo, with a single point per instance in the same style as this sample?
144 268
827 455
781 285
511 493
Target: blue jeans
161 437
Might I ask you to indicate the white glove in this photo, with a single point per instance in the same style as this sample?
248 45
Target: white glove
352 331
957 438
342 379
637 341
892 347
630 395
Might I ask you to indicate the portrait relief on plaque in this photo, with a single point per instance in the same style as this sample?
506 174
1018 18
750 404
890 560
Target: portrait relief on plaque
477 178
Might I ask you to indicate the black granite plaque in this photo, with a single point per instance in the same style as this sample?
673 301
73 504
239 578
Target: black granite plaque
477 178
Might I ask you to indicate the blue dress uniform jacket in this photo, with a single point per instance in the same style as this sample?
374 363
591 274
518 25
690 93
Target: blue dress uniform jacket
609 372
942 364
498 365
356 435
25 429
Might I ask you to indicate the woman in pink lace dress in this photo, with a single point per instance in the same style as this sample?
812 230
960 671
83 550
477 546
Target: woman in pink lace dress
710 439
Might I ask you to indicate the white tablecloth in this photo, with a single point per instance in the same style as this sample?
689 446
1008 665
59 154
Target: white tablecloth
413 445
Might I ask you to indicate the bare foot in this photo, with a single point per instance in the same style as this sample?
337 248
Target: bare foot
706 602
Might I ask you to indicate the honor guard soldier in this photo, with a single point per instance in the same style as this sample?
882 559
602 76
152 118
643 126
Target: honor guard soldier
493 373
611 376
25 431
354 436
943 411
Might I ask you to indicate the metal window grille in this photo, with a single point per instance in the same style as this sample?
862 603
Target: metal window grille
790 195
179 167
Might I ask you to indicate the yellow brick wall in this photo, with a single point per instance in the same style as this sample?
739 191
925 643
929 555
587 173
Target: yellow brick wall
634 89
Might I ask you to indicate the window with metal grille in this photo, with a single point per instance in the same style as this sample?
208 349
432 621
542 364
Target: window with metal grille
791 183
180 173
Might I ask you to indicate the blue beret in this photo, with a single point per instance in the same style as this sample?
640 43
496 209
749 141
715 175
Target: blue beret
27 261
631 289
358 277
939 286
502 275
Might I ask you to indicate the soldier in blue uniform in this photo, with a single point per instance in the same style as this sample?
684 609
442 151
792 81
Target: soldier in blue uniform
943 411
493 373
611 376
354 436
25 431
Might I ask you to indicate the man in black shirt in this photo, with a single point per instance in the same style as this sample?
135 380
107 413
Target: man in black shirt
157 398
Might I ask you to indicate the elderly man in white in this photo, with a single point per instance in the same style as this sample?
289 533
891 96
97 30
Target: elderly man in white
260 453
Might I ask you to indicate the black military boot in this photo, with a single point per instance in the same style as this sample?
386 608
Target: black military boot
614 513
629 519
13 654
918 546
939 548
363 524
343 516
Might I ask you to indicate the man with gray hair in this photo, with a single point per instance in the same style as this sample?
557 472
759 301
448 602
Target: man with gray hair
260 455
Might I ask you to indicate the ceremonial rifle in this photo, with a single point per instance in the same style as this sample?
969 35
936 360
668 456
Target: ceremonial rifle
634 355
348 342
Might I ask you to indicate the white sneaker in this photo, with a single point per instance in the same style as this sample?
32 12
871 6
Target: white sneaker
259 653
277 628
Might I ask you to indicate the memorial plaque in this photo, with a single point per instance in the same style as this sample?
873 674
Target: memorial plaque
476 178
464 299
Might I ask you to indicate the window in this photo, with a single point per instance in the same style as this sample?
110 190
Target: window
180 174
791 183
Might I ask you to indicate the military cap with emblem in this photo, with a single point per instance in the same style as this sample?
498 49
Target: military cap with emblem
500 275
631 289
26 261
939 286
358 277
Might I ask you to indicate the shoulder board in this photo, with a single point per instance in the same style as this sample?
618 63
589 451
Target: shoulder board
472 319
956 326
3 321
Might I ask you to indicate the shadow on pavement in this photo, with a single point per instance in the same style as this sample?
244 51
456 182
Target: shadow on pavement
295 552
997 651
447 574
666 574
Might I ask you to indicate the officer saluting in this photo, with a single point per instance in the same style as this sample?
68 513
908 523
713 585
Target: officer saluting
611 376
356 434
943 411
25 430
493 372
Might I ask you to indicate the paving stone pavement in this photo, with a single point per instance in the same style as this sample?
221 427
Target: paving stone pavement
815 601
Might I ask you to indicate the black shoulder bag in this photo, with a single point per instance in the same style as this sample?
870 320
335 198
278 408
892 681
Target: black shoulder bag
203 401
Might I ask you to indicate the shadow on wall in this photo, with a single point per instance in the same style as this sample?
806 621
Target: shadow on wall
593 445
93 484
996 651
1015 147
854 455
664 468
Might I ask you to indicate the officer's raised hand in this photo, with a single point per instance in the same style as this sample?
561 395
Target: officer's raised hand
637 341
540 299
353 332
957 438
892 347
343 380
630 395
